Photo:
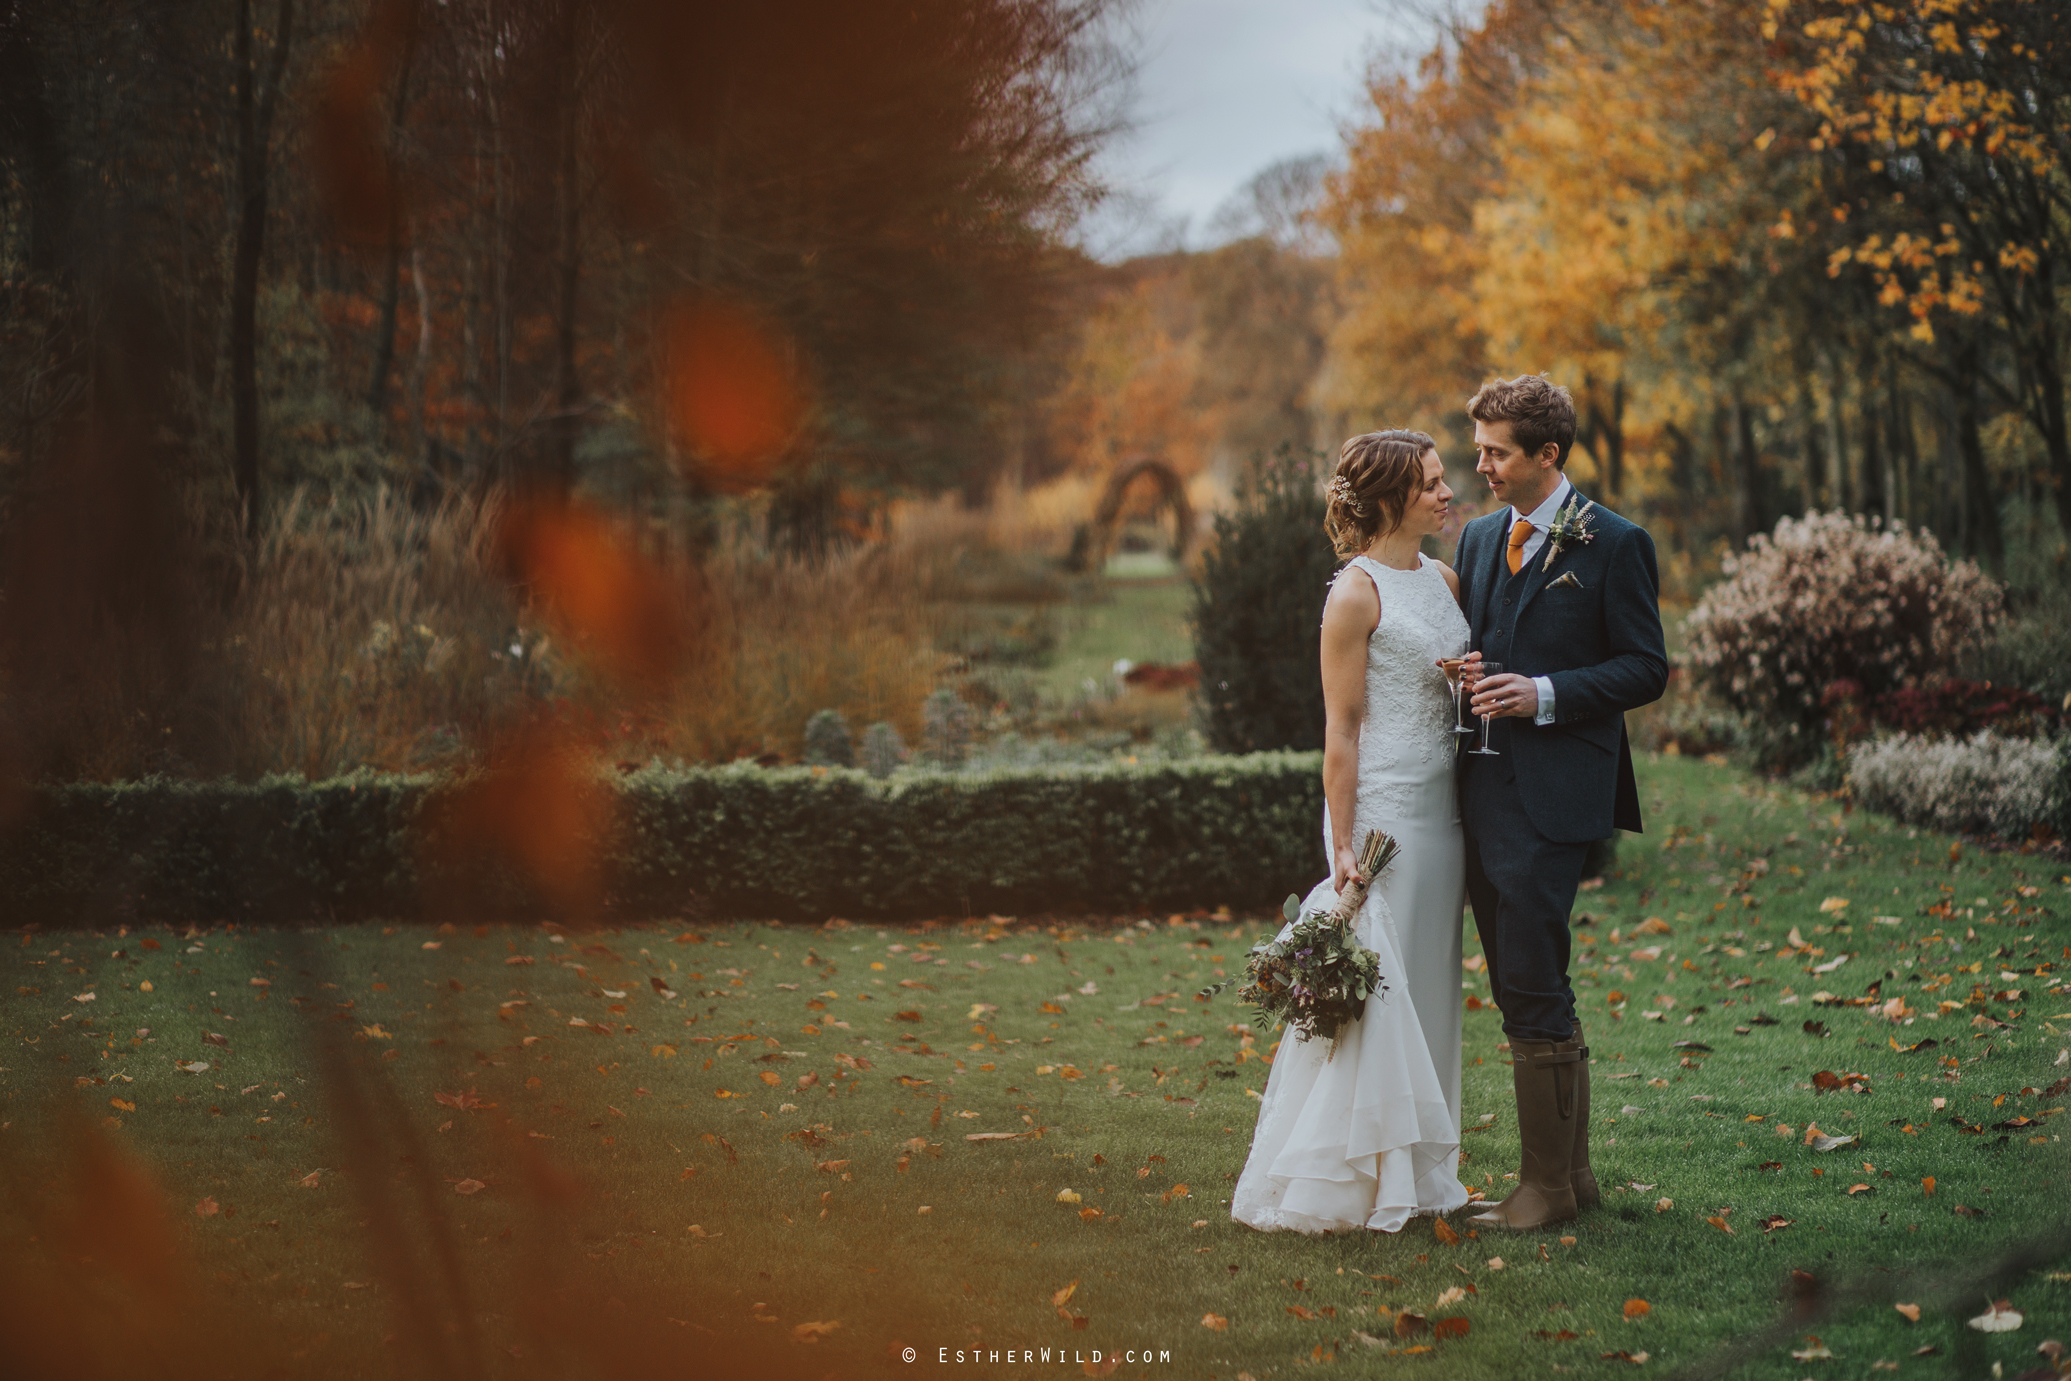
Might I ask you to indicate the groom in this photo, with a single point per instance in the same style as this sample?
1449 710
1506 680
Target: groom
1562 595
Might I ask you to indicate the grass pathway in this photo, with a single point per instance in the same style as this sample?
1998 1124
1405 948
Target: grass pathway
507 1152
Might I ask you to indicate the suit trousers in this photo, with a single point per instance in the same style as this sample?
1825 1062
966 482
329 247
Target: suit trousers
1522 888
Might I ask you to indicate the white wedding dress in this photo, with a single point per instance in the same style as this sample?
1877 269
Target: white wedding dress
1370 1136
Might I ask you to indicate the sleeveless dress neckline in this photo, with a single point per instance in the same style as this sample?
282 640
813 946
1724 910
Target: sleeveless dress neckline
1424 563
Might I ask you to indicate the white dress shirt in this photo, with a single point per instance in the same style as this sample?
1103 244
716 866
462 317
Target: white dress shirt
1540 518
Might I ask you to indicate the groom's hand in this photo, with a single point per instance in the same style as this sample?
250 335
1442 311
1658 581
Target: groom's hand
1508 696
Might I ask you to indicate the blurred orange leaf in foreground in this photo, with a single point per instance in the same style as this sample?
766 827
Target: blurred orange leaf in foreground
734 398
596 592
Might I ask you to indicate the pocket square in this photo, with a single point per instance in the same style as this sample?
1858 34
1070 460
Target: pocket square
1567 578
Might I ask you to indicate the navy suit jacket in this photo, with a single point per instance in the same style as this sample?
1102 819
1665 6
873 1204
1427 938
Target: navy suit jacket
1597 637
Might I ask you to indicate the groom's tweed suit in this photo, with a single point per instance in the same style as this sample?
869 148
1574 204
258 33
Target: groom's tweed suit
1531 813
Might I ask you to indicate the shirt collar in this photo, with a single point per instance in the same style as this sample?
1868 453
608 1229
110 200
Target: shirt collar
1542 516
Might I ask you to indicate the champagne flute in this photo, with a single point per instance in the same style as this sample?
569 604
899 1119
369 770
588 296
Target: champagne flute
1452 667
1487 669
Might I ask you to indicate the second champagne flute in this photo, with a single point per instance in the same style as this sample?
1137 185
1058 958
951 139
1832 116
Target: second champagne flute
1454 669
1487 669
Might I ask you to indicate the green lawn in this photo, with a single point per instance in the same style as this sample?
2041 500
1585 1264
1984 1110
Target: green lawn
507 1153
1145 620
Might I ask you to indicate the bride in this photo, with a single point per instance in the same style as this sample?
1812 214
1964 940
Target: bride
1370 1136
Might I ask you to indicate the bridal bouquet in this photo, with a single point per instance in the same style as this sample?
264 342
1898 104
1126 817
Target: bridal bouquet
1317 976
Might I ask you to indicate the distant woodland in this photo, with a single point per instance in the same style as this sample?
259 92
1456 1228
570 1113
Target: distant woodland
749 273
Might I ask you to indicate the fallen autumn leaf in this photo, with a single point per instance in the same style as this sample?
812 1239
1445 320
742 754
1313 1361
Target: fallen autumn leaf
1999 1317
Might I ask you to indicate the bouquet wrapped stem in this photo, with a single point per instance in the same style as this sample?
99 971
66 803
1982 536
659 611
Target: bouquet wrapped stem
1375 854
1318 976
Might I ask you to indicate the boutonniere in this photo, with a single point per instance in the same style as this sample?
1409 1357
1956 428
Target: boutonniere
1569 526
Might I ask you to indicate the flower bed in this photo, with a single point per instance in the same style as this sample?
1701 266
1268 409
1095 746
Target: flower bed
1988 783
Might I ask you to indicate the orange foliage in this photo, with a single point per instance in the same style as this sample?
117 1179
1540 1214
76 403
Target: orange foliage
1983 103
1130 390
1552 197
1409 348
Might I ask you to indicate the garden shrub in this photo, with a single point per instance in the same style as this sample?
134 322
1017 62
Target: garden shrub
1830 598
945 728
827 740
1985 784
883 750
1258 610
792 843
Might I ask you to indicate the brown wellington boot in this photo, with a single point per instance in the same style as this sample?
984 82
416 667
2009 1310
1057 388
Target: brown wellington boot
1543 1074
1579 1174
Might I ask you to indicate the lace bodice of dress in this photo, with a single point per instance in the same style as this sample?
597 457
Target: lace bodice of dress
1404 743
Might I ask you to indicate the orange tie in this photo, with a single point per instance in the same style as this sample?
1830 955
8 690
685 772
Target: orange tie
1518 533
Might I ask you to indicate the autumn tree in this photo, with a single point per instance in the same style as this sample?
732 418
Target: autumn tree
1713 224
1952 122
1408 347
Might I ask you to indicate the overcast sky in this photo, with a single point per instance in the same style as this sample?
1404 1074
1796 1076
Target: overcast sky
1226 87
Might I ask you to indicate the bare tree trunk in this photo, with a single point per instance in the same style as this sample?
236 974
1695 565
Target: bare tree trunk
1603 433
1840 495
1898 448
45 176
1873 489
1614 443
47 188
254 135
1682 471
2052 422
1749 512
473 375
421 368
499 272
392 268
1980 503
1809 440
568 382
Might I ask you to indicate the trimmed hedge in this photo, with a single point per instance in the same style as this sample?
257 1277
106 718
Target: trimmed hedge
789 843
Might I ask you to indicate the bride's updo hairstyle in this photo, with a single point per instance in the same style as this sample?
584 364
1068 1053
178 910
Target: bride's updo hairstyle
1377 475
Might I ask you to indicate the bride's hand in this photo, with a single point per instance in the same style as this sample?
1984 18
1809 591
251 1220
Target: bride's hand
1347 869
